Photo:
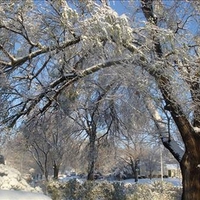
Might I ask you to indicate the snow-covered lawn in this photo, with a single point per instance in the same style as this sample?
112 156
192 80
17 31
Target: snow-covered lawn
21 195
175 181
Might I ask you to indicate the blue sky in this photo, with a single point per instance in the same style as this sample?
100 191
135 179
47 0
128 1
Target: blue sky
118 6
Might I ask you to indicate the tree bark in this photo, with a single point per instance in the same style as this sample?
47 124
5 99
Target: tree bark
91 156
55 171
190 162
46 175
90 176
190 170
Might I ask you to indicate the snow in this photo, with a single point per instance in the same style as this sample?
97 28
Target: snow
21 195
174 181
176 148
197 129
65 179
11 179
14 187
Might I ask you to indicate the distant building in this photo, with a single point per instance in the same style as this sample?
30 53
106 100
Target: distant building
172 170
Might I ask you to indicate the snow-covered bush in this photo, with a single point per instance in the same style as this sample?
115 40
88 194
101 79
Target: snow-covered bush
94 190
119 191
91 190
11 179
142 192
74 190
167 190
155 191
56 190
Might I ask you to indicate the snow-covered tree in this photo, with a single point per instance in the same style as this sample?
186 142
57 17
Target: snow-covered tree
94 114
46 46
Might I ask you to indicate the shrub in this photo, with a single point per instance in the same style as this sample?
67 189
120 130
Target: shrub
92 190
119 192
155 191
55 189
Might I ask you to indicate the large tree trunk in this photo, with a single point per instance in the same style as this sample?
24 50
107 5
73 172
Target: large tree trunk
136 170
190 162
190 168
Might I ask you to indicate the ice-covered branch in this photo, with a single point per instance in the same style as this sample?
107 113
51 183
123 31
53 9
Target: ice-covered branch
20 61
50 93
166 139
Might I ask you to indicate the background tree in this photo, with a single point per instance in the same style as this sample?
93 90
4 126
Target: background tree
16 155
47 139
151 161
93 112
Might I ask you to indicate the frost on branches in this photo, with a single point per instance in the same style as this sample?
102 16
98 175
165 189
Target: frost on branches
60 43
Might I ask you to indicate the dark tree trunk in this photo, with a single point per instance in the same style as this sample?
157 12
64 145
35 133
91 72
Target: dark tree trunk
90 176
150 175
136 170
190 169
132 165
190 162
91 156
55 171
46 175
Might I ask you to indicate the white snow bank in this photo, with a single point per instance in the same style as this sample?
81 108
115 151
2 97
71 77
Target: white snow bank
11 179
21 195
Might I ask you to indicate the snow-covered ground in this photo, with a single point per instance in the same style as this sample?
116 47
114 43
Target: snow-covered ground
14 187
175 181
21 195
12 179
